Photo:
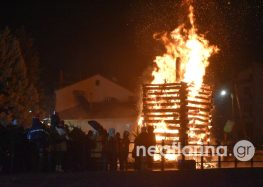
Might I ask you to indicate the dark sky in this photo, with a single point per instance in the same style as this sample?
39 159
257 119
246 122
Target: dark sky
114 37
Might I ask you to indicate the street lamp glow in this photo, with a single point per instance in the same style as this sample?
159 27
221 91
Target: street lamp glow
223 93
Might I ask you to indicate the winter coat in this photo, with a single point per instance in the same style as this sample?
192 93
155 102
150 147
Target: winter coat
37 134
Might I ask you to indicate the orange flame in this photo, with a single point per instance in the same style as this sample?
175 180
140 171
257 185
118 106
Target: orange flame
190 52
193 51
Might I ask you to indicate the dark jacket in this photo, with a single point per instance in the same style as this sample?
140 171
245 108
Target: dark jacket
37 134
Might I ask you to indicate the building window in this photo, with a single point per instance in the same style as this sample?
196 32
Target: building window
97 82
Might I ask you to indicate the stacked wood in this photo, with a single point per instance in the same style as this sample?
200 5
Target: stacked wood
177 113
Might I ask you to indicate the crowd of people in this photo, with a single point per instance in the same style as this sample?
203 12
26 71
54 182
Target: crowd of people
57 147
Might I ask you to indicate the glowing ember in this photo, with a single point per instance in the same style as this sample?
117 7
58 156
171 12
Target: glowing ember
189 53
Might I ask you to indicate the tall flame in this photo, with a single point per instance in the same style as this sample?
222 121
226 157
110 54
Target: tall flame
188 48
189 52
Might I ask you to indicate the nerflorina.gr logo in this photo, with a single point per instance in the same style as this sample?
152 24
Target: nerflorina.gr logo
243 150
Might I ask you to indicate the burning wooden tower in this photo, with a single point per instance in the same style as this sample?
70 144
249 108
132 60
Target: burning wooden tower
178 112
177 103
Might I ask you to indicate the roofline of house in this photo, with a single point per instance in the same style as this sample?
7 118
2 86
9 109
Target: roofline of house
98 74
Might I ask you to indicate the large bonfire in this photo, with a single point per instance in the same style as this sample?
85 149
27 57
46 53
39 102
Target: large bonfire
185 60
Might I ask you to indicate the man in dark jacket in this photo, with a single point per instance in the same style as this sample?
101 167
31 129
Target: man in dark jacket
112 152
141 140
39 138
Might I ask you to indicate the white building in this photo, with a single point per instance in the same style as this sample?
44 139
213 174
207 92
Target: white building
96 98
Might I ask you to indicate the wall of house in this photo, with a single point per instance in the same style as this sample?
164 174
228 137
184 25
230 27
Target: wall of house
95 89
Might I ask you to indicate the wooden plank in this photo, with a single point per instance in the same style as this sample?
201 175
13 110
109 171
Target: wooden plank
202 130
208 99
167 124
168 134
152 92
160 110
202 115
161 115
199 109
165 84
199 119
161 88
160 98
161 104
173 94
173 127
199 103
204 88
159 121
199 125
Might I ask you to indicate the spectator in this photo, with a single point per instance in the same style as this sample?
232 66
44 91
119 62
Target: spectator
39 138
89 145
124 151
103 145
61 146
141 140
112 150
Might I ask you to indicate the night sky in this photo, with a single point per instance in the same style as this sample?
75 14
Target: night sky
114 38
